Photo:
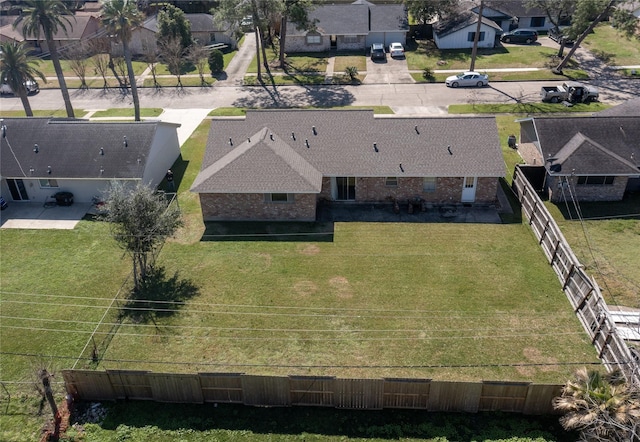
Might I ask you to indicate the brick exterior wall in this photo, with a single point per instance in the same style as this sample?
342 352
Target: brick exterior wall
242 207
612 192
299 44
448 190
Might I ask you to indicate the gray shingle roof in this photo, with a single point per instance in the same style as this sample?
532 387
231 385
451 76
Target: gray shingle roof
626 109
343 145
389 18
591 145
515 8
72 148
460 21
337 20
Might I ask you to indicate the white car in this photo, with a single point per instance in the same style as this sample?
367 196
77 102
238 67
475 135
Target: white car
468 79
31 86
396 50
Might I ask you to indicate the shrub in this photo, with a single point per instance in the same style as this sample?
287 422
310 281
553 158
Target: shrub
351 72
216 61
427 74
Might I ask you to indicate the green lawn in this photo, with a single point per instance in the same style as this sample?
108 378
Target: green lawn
173 81
46 67
43 113
128 112
425 55
609 45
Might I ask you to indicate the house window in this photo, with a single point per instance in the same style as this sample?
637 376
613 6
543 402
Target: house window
429 184
314 39
391 181
279 198
48 183
350 39
595 180
537 22
472 35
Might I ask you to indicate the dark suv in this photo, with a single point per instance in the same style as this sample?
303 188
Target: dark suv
377 52
558 35
519 36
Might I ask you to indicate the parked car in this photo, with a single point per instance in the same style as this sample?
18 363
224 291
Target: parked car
556 34
31 86
396 50
527 36
377 52
467 79
571 91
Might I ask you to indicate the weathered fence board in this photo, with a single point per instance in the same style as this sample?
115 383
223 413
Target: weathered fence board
503 396
176 387
359 393
406 393
222 387
455 396
131 384
90 385
312 390
266 390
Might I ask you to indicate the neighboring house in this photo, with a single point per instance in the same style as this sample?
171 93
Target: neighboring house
279 164
458 32
203 29
349 27
42 156
586 158
81 27
512 14
626 109
632 7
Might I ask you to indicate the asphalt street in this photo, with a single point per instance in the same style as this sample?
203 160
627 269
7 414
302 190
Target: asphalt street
405 98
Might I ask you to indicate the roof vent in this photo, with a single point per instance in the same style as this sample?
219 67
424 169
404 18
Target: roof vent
102 151
101 170
416 129
271 136
36 149
3 127
230 142
293 136
49 170
306 142
31 170
313 128
401 168
125 143
375 147
248 140
449 149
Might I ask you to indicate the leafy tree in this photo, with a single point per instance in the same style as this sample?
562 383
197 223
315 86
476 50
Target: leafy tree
141 221
17 67
43 19
587 15
556 10
625 22
172 25
601 407
120 17
296 11
216 61
423 11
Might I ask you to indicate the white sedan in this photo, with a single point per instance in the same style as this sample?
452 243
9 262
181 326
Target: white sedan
468 79
396 50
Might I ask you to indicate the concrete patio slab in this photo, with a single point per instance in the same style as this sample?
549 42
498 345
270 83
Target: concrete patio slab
23 215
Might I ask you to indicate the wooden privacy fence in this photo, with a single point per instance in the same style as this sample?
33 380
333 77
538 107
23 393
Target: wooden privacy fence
583 292
285 391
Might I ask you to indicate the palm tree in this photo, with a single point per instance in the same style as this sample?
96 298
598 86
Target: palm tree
120 17
601 407
44 18
16 68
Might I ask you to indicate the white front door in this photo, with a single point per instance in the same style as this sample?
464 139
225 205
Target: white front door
469 189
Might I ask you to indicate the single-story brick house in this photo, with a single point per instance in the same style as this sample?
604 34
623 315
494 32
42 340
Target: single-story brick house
42 156
586 158
279 164
349 27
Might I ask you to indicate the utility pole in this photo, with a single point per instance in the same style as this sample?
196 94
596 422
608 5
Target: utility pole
476 37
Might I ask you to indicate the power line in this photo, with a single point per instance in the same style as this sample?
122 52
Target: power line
250 329
417 366
274 339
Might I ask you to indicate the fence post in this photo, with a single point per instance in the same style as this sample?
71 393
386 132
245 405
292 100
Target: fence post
544 232
555 252
533 212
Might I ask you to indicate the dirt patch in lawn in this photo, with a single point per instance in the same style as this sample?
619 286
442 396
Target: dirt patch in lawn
304 289
342 286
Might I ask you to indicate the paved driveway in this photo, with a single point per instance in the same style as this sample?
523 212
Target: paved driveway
22 215
391 71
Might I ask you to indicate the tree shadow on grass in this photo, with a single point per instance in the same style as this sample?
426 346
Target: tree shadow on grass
158 296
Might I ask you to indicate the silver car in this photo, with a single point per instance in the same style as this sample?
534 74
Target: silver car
474 79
